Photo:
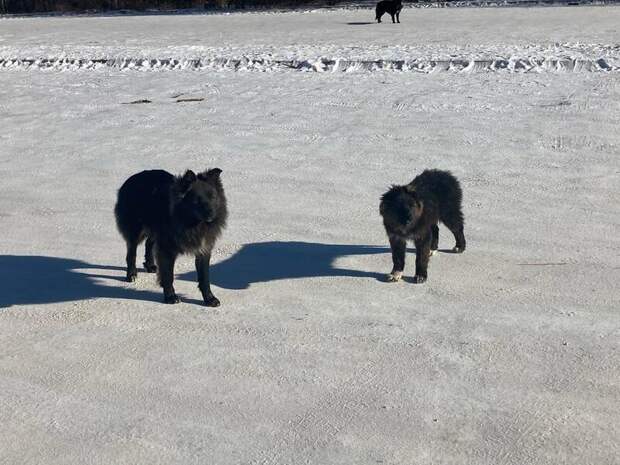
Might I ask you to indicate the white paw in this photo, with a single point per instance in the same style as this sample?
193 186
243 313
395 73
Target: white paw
394 276
433 252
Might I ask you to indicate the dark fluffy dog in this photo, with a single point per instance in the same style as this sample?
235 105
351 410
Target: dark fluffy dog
175 215
413 211
392 7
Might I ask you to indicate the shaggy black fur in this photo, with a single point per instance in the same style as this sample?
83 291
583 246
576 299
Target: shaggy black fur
413 211
392 7
175 215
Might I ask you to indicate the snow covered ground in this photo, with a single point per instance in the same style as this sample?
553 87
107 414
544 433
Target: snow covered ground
472 39
509 354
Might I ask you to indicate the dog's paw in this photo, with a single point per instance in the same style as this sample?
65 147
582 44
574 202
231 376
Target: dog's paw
212 301
131 276
419 279
457 249
432 252
171 299
394 276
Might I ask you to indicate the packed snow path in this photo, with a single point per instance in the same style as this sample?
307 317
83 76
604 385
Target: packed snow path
507 355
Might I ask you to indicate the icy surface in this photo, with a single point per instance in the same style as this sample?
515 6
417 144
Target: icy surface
507 355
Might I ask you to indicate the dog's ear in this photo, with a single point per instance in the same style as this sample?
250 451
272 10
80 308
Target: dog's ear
215 173
187 180
410 190
210 174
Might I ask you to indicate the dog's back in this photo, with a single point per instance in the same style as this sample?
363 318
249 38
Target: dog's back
143 202
444 189
389 6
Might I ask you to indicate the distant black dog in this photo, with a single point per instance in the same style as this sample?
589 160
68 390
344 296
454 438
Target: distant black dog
413 211
176 215
392 7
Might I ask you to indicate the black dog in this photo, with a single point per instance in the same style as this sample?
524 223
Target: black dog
413 211
176 215
392 7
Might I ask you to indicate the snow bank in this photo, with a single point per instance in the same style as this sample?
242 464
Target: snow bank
424 65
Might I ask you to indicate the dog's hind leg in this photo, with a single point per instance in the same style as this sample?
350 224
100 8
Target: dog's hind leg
133 235
398 16
204 284
165 264
434 238
456 226
149 257
393 21
130 258
459 236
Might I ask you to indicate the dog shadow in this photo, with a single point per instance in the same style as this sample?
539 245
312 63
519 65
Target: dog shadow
30 280
261 262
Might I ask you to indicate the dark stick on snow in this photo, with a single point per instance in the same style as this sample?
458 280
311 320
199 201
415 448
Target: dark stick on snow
543 264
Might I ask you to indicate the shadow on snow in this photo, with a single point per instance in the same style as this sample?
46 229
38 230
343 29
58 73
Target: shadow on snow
29 280
261 262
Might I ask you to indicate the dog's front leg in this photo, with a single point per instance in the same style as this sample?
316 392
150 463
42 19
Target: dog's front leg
204 284
399 247
422 256
165 265
434 238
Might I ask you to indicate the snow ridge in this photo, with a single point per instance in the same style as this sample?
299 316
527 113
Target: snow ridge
322 64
